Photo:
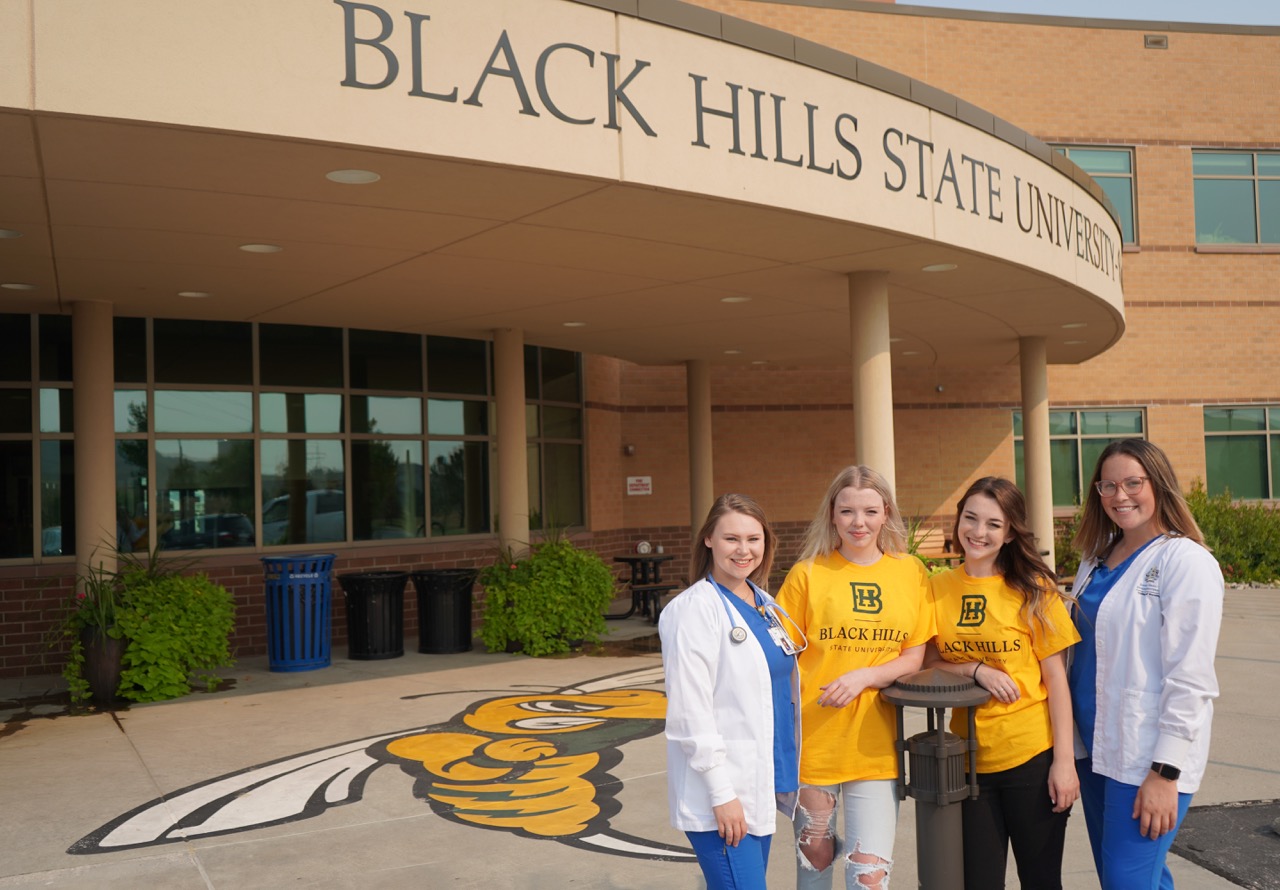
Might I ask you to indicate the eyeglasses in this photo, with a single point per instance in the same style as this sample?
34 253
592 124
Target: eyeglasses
1131 486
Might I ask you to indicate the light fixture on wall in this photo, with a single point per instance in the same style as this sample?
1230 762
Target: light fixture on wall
629 450
352 177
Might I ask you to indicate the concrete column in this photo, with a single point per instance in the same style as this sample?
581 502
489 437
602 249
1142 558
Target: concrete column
1035 442
701 469
93 375
872 377
513 459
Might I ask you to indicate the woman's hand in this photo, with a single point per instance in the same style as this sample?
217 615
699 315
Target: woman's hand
1001 686
842 690
1156 806
731 822
1064 784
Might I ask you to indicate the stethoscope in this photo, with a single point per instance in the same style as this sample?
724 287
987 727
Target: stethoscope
774 614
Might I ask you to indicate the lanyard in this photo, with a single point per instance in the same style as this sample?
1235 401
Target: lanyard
771 612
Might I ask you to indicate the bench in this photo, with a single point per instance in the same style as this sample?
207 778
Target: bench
646 584
933 546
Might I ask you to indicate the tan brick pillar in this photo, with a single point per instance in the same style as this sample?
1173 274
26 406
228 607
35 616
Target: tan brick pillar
872 377
1035 441
701 467
93 375
513 460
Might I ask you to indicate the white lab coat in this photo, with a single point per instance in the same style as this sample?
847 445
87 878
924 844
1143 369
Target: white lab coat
719 715
1157 633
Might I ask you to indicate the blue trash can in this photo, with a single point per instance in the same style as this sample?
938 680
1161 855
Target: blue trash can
299 605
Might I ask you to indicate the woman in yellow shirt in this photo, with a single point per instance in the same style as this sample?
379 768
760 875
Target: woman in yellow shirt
1002 621
863 604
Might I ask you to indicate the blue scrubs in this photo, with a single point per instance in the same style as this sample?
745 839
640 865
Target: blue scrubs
1124 858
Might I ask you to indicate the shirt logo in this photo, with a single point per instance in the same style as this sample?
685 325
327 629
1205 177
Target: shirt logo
866 598
1150 585
973 610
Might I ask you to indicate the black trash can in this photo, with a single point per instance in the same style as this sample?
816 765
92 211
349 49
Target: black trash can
444 609
299 593
375 614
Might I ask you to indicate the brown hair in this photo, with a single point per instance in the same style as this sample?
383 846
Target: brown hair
1098 534
821 539
1019 560
700 564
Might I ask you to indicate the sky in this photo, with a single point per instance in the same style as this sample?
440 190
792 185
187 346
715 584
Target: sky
1222 12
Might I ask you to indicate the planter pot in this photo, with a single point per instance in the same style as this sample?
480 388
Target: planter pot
103 661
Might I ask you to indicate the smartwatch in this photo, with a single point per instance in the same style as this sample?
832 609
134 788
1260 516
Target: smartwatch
1165 771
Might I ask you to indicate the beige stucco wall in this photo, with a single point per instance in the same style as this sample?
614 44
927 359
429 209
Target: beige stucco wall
279 69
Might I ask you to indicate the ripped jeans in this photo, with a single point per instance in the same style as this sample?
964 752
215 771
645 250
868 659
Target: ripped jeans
870 813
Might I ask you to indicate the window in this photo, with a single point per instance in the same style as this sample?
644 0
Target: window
1242 451
553 422
1237 197
1111 168
1076 439
242 435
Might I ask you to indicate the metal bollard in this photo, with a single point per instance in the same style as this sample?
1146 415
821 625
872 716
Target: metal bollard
938 779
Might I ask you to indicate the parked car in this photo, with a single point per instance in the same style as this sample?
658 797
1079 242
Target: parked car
325 518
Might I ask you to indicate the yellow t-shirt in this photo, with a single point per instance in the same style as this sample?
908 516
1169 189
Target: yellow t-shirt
854 617
980 619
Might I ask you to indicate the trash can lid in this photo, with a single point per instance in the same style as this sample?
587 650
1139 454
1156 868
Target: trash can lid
935 688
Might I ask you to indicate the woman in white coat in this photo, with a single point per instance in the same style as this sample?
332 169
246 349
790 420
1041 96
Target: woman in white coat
1149 606
732 699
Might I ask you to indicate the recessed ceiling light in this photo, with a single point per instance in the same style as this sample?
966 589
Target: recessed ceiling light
575 324
352 177
16 285
911 352
895 339
1075 324
735 299
260 248
1074 342
759 361
193 294
10 233
733 352
938 267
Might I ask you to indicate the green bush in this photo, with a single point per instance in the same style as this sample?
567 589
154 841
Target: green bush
177 626
1064 551
1243 535
546 602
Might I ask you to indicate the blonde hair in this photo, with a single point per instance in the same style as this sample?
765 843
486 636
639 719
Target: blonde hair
822 539
700 563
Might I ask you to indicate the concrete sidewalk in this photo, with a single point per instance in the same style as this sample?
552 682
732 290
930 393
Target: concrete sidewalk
324 774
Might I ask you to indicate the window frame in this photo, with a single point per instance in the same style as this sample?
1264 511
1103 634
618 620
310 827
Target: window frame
1270 435
1254 179
1131 177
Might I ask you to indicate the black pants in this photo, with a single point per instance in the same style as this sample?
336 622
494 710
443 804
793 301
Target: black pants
1013 807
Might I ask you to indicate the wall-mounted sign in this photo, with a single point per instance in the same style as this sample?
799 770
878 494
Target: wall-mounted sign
639 485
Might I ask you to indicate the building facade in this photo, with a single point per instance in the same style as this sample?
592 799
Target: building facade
407 282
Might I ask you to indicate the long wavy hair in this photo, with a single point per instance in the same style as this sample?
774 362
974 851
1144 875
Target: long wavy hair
700 564
822 539
1098 534
1019 559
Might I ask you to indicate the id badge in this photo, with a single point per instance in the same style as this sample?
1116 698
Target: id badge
784 642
